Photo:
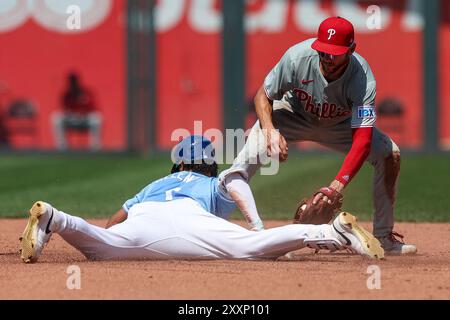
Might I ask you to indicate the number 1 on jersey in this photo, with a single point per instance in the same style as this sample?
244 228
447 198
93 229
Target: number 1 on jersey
169 193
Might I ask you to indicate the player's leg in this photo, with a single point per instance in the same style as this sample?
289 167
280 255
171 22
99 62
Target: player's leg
385 158
149 232
93 241
96 243
181 229
141 236
254 153
248 160
215 238
382 154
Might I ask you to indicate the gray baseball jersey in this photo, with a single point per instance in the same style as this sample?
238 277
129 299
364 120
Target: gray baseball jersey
308 108
297 79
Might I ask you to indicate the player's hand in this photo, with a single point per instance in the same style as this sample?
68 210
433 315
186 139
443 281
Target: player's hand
335 185
321 197
276 144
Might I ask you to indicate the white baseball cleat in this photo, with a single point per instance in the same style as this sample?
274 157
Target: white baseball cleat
37 232
355 237
394 246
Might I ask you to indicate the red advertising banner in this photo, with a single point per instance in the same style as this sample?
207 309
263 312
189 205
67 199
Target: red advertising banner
189 68
38 49
444 75
189 62
393 50
40 44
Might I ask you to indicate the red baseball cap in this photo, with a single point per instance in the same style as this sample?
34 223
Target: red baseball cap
335 36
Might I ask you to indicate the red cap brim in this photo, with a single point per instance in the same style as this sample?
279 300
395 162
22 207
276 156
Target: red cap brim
329 48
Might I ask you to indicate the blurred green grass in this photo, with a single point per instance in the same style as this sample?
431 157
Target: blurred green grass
423 189
97 186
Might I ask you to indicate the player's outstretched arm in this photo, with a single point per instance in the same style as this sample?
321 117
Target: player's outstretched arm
118 217
353 161
263 108
242 195
276 144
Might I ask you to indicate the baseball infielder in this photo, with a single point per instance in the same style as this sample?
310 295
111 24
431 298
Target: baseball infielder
322 91
183 216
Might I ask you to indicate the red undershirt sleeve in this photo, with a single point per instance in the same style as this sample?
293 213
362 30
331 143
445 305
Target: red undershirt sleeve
362 138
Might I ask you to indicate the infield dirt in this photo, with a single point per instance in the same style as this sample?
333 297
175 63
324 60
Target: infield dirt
309 276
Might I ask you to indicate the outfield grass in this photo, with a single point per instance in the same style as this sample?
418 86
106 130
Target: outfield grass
423 192
96 186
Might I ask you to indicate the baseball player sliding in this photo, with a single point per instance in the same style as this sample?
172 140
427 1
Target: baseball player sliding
322 91
183 216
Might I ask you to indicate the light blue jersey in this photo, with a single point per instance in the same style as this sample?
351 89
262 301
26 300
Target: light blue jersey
205 190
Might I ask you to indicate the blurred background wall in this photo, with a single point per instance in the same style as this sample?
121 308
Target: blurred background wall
155 66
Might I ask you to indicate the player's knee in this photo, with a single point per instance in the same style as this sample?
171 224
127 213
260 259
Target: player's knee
395 155
392 162
395 150
385 154
391 171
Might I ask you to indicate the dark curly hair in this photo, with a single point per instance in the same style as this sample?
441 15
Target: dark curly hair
209 170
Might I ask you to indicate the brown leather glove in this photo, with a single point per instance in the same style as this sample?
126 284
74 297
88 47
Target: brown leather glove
322 212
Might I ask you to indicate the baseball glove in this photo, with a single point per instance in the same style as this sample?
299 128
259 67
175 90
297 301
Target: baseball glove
322 212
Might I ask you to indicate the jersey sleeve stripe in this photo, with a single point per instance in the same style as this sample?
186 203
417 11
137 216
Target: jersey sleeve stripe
362 126
267 94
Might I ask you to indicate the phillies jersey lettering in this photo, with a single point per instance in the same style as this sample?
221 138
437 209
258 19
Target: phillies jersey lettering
297 79
321 110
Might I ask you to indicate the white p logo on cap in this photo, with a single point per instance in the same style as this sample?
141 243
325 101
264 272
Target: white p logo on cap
331 32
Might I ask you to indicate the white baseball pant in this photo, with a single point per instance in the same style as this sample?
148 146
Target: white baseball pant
182 229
